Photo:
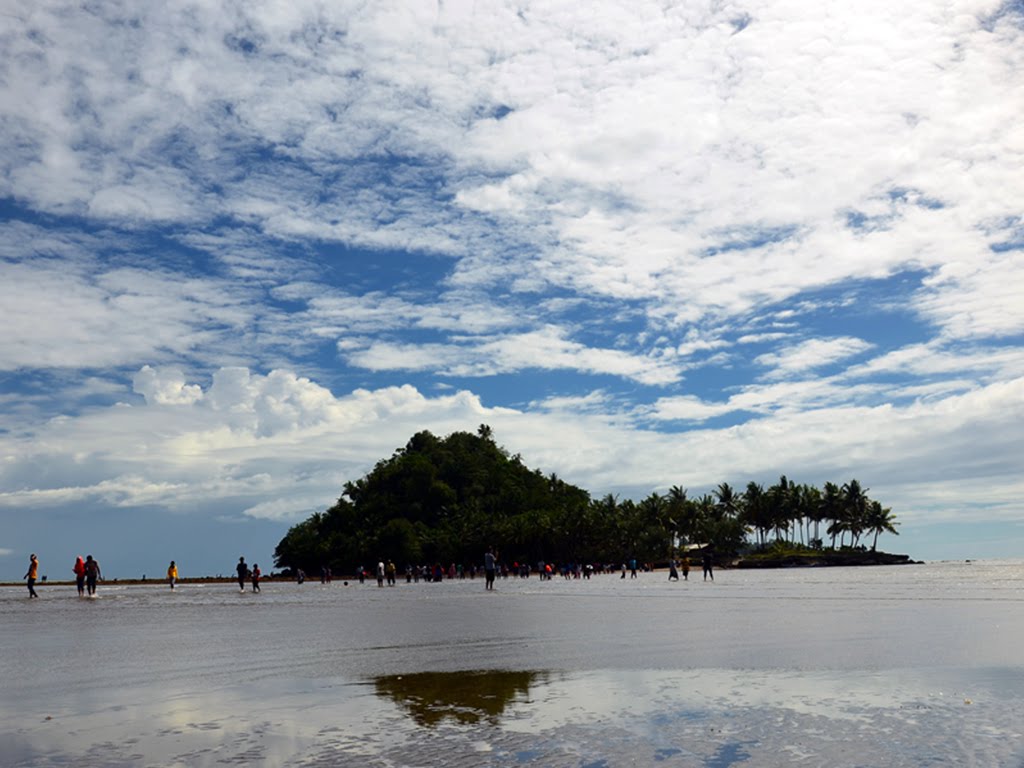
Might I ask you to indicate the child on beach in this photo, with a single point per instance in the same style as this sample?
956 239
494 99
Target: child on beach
256 573
172 574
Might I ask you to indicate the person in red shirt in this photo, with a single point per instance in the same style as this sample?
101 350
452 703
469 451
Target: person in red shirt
79 571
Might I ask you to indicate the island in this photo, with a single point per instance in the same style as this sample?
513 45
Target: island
445 501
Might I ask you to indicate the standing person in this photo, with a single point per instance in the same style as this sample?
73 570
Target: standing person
380 573
256 573
32 575
92 574
673 573
243 573
632 568
707 561
686 568
79 571
390 569
172 574
489 568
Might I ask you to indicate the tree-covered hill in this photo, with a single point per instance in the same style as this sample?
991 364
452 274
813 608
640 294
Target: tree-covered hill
442 500
446 500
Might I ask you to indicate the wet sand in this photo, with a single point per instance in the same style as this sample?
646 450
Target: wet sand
838 667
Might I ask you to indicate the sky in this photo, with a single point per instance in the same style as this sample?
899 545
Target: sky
248 249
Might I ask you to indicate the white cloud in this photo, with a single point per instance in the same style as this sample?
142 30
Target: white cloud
165 387
646 154
688 408
545 349
811 354
592 402
980 298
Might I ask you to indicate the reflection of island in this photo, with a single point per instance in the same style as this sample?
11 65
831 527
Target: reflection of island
466 697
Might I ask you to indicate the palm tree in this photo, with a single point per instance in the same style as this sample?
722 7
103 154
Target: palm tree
811 504
780 506
755 511
880 519
855 507
832 509
727 500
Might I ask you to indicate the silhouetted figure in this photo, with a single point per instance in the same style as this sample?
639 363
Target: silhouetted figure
707 561
92 574
243 573
489 563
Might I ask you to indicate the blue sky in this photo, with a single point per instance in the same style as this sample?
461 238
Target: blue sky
248 249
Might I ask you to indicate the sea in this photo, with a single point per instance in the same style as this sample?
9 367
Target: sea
914 665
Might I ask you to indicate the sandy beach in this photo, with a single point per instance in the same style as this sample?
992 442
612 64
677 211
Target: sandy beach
840 667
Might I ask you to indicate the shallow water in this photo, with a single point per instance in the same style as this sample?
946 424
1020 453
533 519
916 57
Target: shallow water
914 665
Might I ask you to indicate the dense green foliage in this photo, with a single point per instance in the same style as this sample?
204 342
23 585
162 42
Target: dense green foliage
447 500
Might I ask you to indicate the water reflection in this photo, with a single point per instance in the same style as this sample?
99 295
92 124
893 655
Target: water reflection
464 697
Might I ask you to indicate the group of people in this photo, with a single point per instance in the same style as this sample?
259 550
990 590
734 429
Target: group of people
252 574
87 573
707 561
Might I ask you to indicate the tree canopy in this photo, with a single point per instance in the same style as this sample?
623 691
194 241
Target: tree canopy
449 499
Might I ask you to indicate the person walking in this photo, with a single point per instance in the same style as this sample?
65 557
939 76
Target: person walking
79 571
707 561
172 574
489 563
92 575
243 573
256 573
32 575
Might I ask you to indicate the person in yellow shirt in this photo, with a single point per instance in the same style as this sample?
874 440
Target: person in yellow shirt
172 574
32 575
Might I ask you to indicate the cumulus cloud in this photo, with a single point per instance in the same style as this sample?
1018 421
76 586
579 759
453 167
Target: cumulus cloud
165 387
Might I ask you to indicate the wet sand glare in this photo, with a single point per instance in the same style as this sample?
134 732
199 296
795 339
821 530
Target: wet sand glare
841 667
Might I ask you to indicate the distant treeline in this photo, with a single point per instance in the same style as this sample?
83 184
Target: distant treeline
448 499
